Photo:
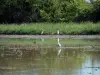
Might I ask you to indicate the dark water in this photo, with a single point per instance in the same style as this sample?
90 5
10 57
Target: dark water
18 60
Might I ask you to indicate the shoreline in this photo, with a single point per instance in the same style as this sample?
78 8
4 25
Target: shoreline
50 36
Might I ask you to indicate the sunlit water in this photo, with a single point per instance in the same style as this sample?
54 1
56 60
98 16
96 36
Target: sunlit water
35 60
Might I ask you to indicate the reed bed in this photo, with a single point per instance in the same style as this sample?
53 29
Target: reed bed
87 28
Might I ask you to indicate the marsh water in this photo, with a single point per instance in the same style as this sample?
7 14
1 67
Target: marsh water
44 57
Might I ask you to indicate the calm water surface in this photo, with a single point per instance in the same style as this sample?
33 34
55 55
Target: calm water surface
48 60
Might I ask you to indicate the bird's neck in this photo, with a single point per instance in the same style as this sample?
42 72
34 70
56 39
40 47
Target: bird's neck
58 40
58 32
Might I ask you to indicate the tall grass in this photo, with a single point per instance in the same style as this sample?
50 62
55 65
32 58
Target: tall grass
51 28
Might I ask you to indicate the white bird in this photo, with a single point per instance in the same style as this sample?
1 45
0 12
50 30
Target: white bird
42 38
58 32
42 33
59 45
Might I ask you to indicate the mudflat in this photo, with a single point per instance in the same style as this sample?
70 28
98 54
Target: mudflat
52 36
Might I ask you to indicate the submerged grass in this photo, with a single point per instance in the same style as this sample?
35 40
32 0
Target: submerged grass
50 28
51 42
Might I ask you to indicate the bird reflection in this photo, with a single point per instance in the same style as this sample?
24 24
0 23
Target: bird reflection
59 50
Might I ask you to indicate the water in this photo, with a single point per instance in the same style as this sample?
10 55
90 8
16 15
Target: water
82 58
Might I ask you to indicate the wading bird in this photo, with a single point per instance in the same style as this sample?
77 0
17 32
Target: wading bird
59 45
42 38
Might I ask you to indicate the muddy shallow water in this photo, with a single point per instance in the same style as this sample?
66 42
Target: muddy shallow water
80 58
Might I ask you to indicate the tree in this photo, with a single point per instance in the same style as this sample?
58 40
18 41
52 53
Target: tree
59 10
19 11
96 13
85 9
15 11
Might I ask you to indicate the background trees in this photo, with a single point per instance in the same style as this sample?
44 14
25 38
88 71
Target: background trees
96 12
19 11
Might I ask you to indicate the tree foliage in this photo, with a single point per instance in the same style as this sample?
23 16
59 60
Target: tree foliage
18 11
91 12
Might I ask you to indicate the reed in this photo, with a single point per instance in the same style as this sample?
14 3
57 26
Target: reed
87 28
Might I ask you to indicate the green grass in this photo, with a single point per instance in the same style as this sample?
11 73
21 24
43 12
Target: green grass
49 42
51 28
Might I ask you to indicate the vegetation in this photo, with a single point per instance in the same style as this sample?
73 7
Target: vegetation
51 28
48 42
19 11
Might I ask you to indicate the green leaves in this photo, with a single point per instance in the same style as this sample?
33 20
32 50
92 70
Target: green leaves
59 10
19 11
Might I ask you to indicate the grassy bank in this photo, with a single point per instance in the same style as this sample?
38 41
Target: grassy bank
50 28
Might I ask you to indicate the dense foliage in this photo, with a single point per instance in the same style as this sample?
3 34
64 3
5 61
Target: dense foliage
18 11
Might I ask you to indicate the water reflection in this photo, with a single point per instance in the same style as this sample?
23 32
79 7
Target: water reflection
22 60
